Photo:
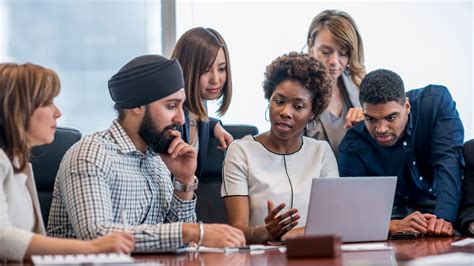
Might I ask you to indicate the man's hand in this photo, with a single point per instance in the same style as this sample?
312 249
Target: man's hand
215 235
222 235
439 227
181 159
222 136
415 222
354 115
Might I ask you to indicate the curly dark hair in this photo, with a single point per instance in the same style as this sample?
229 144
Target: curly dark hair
304 69
381 86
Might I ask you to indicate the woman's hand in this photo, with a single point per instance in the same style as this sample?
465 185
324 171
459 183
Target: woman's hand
278 225
117 242
294 233
354 115
222 136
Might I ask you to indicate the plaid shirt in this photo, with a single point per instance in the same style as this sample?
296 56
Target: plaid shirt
104 173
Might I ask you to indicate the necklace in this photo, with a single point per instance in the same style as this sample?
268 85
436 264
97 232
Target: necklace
192 120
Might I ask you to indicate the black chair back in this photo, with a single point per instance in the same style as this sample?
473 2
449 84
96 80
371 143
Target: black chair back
210 206
468 151
45 160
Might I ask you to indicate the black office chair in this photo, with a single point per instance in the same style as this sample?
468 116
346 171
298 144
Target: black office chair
468 151
210 206
46 159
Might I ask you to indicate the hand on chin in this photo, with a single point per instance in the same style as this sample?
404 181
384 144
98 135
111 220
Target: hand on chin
181 158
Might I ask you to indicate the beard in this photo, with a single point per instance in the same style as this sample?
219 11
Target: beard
158 141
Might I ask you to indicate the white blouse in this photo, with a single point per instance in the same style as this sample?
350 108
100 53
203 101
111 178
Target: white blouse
252 170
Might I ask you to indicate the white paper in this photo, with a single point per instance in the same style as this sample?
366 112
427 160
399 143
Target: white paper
250 248
204 249
365 247
464 242
104 258
458 258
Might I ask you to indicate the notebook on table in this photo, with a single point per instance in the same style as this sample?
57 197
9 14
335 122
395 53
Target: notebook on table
356 208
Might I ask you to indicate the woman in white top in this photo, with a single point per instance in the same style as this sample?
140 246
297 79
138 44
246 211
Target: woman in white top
278 165
27 119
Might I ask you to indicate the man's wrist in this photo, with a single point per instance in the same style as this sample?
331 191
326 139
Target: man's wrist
190 233
392 228
185 180
185 186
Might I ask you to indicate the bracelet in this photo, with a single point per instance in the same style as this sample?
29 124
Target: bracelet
201 235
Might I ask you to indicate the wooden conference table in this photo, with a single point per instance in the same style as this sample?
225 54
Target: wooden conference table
403 251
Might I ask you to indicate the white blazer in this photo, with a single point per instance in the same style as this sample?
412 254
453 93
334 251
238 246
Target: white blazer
14 241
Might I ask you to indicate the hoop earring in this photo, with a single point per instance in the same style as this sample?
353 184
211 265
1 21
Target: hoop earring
266 112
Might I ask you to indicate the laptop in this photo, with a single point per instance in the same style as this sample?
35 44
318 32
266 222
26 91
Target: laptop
356 208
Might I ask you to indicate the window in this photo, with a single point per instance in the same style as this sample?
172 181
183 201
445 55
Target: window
85 43
425 42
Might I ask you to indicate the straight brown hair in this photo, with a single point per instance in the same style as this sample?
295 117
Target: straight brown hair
23 89
196 51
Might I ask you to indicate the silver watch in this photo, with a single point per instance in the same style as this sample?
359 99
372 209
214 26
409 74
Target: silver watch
185 188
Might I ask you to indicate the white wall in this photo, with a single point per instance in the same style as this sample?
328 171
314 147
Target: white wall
3 31
425 42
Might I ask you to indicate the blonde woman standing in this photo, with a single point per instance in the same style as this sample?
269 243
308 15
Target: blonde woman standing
333 39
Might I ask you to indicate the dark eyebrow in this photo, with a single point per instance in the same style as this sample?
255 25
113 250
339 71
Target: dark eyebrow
392 114
303 100
280 95
368 116
174 100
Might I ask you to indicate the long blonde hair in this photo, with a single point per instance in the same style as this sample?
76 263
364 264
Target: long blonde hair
23 89
344 29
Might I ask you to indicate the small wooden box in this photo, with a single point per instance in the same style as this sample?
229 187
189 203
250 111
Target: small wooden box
328 246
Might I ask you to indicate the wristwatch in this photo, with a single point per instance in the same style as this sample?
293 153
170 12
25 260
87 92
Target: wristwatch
185 188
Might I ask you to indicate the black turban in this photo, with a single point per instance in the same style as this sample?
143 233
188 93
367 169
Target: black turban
144 80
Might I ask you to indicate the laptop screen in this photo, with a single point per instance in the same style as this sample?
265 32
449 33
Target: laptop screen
356 208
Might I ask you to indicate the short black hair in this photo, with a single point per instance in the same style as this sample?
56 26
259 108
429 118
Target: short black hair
381 86
120 112
304 69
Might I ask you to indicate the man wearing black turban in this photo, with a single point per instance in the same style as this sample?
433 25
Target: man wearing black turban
114 180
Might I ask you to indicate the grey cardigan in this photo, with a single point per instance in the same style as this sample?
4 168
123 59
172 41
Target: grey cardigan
321 128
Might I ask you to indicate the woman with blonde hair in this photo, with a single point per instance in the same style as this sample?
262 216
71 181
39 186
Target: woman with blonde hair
333 38
28 118
204 58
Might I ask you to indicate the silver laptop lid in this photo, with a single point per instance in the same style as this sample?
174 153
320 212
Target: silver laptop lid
356 208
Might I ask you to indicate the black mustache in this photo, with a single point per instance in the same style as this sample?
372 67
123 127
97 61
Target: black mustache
173 127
